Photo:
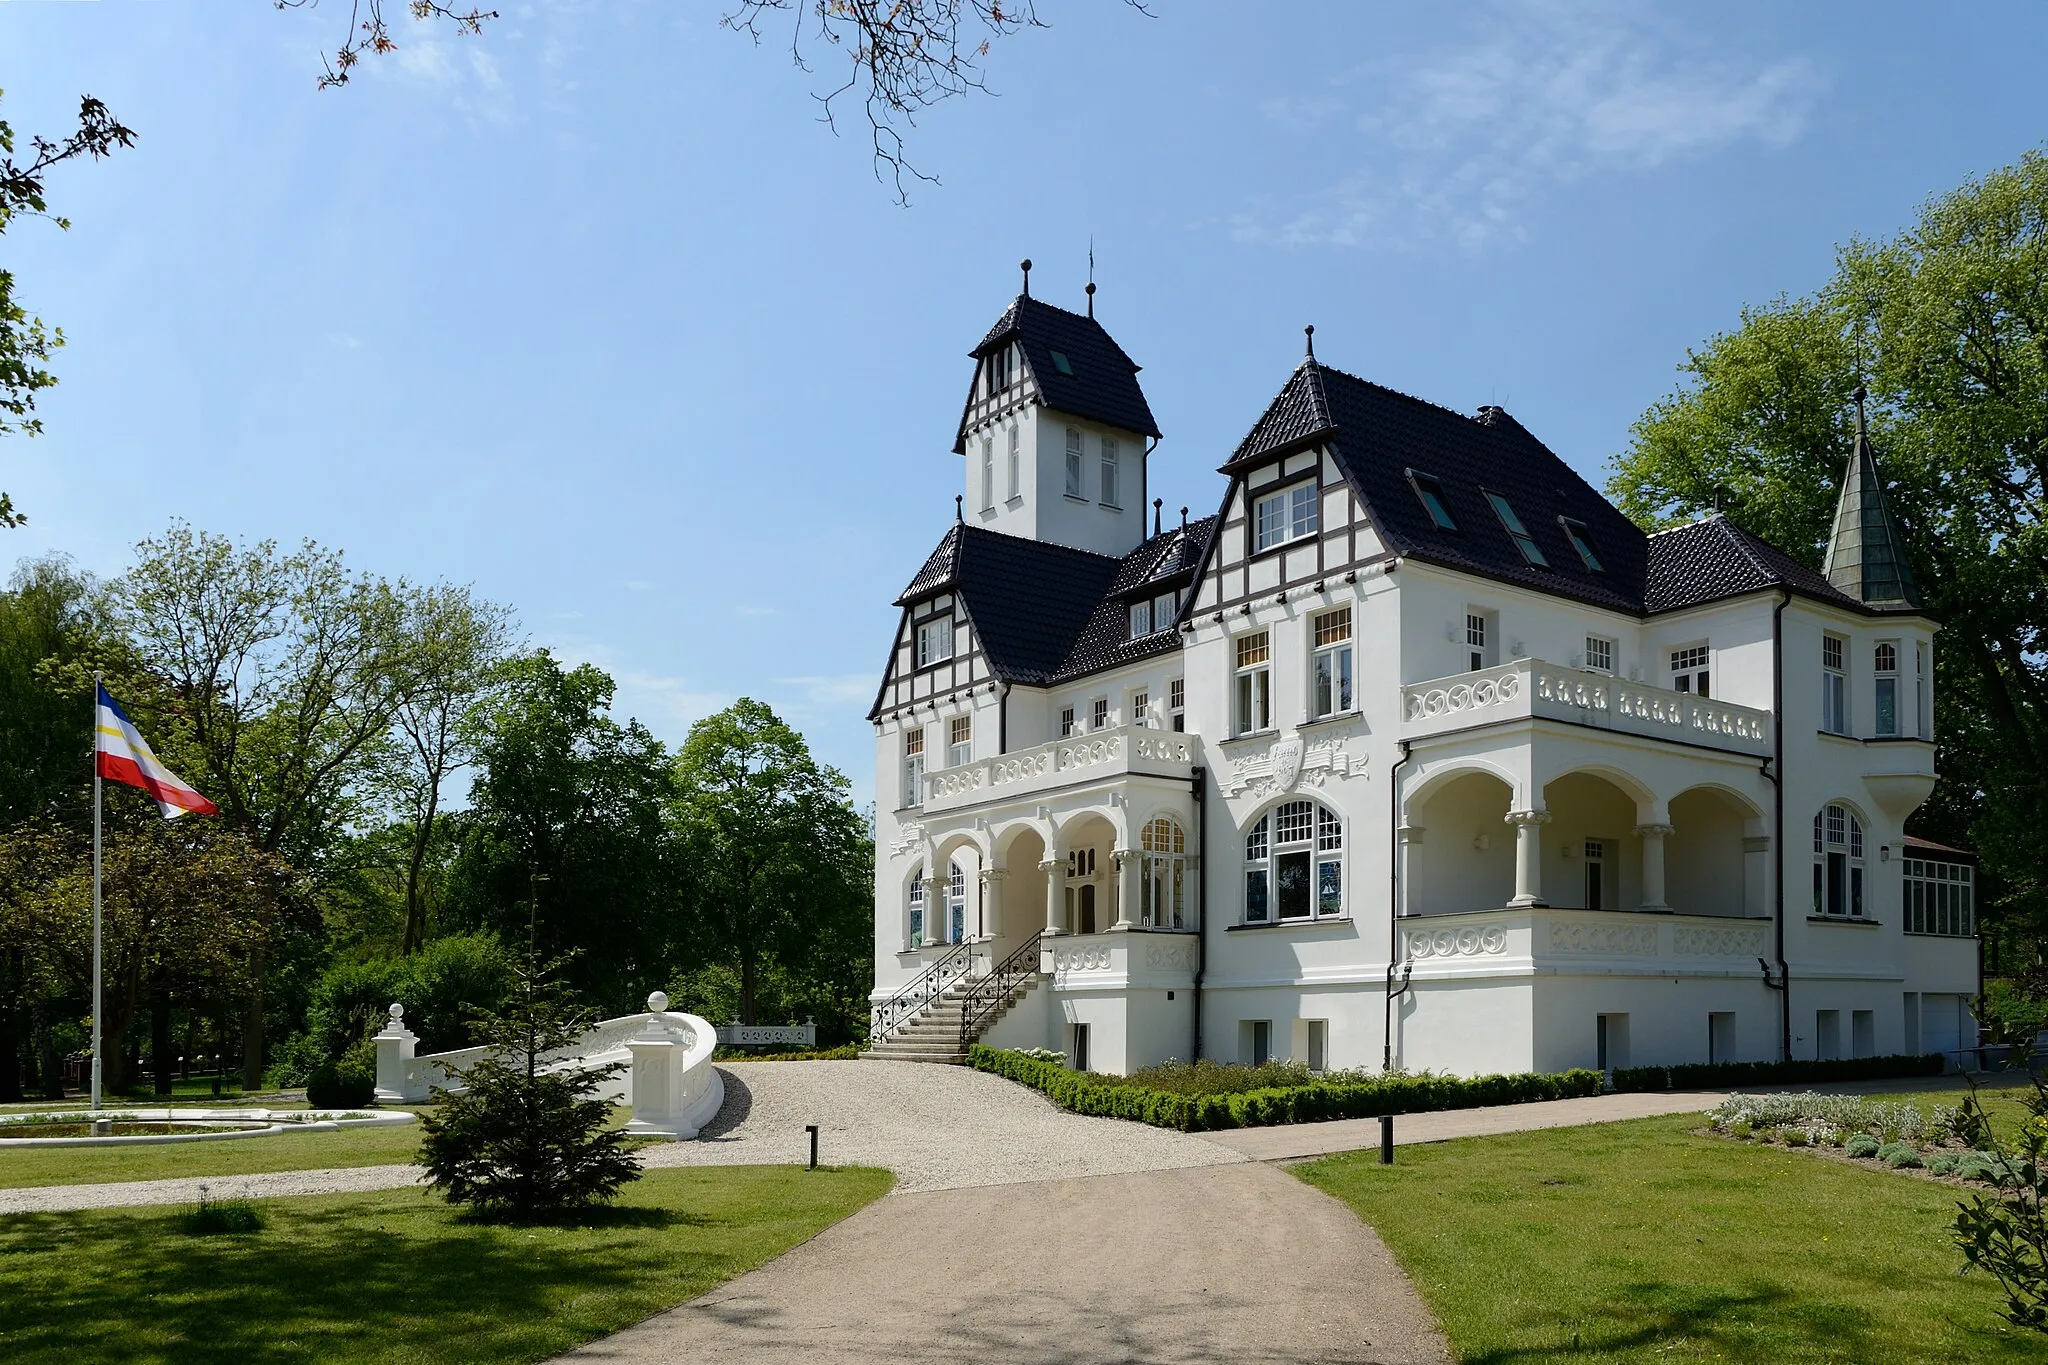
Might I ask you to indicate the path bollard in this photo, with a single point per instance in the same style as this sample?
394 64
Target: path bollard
1386 1139
812 1129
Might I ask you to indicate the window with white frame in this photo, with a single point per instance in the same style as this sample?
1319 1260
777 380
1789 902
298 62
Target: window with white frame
1599 654
1098 714
1177 703
1294 864
1016 467
1478 634
1330 674
1283 516
1834 685
1837 863
988 473
934 641
1923 723
956 904
1165 607
1141 619
913 766
1884 717
915 908
1254 683
960 741
1066 721
1109 470
1163 885
1074 462
1940 898
1141 707
1689 671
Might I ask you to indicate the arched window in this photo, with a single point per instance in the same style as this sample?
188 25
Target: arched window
1294 864
956 904
917 907
1164 846
1837 863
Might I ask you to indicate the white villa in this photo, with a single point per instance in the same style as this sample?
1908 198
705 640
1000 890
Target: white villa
1416 754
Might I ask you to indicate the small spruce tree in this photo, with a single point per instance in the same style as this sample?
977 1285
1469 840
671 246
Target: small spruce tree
522 1141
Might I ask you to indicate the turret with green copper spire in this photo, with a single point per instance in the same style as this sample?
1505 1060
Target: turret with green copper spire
1866 553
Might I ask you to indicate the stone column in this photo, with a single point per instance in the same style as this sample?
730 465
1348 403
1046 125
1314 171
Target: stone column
394 1058
992 879
1055 870
1409 836
1128 894
1653 866
1528 855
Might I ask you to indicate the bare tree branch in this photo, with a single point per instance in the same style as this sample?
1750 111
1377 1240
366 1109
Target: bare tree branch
369 32
901 56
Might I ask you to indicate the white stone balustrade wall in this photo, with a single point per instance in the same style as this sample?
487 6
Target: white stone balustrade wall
1531 687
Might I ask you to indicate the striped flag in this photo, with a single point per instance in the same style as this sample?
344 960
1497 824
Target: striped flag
124 757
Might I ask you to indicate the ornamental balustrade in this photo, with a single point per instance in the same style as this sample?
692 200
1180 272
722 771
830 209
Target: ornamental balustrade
1127 750
664 1058
1661 942
1531 688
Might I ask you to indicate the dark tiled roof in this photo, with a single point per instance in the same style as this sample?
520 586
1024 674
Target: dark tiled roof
1044 613
1378 435
1866 554
1165 562
1713 558
1104 384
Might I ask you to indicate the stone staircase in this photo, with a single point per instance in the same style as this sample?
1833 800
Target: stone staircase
933 1034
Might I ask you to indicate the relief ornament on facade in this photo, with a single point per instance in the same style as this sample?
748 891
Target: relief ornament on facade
1287 762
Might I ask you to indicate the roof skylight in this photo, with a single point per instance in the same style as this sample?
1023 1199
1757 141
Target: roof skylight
1524 542
1061 363
1577 535
1432 495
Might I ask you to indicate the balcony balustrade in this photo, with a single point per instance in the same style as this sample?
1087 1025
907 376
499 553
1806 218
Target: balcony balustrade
1125 751
1573 940
1532 689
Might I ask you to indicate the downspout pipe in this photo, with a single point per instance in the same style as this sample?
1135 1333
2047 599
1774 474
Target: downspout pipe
1003 720
1393 907
1199 779
1778 819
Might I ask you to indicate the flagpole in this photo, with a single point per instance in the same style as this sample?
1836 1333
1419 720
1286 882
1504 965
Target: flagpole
95 894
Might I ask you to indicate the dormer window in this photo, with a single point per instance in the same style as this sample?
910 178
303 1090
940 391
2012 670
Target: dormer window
1141 619
935 641
1154 615
1524 542
1431 494
1576 534
1287 515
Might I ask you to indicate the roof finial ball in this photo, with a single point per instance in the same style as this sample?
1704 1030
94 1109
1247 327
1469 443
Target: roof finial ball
1158 505
1026 266
958 498
1860 394
1091 298
1310 332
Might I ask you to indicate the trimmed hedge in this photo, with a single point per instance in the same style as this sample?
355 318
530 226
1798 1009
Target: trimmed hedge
1084 1092
1716 1075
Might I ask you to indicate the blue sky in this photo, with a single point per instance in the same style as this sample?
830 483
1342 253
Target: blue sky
592 313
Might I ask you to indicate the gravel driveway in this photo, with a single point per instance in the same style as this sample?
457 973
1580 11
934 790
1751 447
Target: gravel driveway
937 1127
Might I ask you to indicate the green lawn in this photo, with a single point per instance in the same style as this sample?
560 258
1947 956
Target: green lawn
1642 1242
395 1276
395 1145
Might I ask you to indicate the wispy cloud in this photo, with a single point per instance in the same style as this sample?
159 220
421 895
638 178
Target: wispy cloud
1457 142
461 66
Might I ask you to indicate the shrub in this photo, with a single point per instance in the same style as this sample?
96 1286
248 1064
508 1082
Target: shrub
520 1141
1715 1075
350 1083
1339 1096
1861 1144
1942 1163
1976 1166
1897 1154
847 1053
1837 1113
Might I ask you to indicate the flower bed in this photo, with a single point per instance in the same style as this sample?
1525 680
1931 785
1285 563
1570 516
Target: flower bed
140 1126
1336 1096
1942 1140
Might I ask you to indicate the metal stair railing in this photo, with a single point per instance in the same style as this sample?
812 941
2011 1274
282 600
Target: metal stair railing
990 992
913 999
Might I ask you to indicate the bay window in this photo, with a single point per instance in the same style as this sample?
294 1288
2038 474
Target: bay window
1885 664
1834 686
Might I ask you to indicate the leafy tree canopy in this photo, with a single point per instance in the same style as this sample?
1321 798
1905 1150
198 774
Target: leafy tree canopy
1947 325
